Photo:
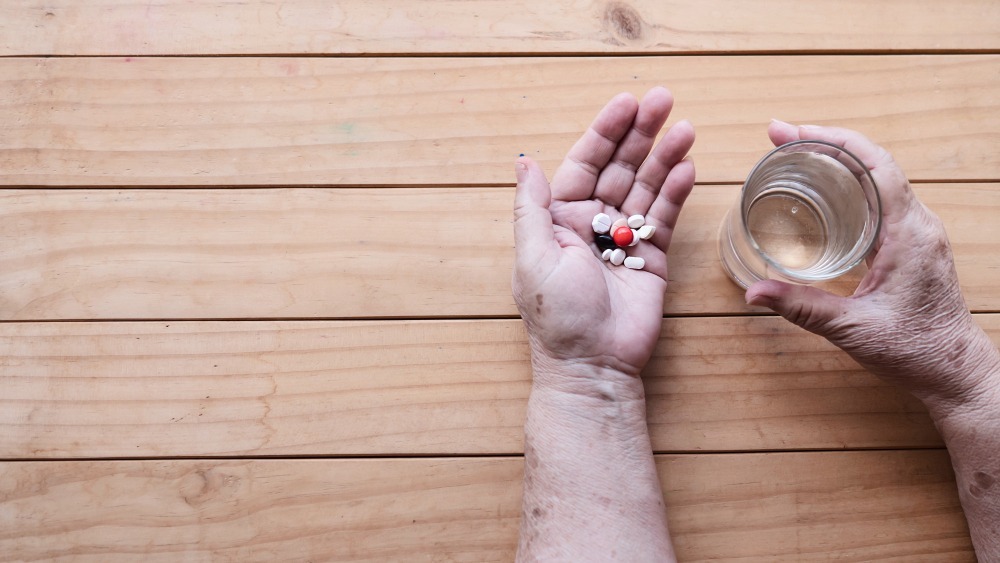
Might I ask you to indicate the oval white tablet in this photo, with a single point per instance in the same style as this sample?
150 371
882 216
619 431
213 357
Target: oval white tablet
618 257
636 221
646 232
634 263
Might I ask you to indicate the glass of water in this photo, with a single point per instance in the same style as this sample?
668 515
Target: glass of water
808 212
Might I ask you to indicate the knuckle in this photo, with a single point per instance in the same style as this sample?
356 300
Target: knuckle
934 230
803 314
896 175
885 159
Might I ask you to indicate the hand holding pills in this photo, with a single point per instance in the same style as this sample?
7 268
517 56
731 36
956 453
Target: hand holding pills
591 266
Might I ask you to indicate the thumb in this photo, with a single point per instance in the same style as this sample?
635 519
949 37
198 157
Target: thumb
810 308
532 220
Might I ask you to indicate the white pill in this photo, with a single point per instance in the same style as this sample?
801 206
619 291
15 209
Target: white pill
617 256
646 232
636 221
634 263
606 255
602 223
623 222
635 238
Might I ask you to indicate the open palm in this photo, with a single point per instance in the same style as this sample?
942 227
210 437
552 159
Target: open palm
576 306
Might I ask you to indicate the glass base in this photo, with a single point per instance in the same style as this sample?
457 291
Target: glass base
744 275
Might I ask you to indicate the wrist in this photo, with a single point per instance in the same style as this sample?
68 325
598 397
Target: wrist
597 377
579 399
589 467
973 382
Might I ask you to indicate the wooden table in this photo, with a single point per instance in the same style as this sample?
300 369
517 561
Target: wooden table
255 262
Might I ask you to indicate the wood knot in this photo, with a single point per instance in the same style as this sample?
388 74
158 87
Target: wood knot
204 486
623 21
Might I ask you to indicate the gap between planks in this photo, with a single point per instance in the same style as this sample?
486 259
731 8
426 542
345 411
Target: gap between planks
531 54
435 185
499 455
681 315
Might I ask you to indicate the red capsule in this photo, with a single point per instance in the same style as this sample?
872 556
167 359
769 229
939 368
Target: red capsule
623 236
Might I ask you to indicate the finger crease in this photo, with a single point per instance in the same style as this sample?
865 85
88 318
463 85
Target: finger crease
625 164
646 186
647 134
605 137
588 167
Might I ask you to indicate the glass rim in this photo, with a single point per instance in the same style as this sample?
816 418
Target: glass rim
793 275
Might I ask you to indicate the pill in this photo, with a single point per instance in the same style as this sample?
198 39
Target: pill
606 255
617 256
623 222
636 221
634 263
646 232
605 242
602 223
623 236
635 238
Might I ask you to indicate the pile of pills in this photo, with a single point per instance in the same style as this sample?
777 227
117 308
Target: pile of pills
613 237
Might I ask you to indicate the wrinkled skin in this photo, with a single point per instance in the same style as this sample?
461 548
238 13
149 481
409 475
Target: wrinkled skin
907 322
576 306
591 491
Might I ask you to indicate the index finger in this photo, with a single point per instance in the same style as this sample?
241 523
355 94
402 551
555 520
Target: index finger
894 188
576 178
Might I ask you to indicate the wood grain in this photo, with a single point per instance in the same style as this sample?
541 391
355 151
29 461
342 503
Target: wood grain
384 195
129 27
90 390
461 121
850 506
332 253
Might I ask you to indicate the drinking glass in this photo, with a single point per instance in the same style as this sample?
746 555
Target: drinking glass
808 212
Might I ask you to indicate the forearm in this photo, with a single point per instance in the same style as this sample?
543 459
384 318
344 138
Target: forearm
591 492
971 432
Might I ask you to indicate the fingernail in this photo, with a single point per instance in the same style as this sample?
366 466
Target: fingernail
520 170
810 126
780 122
760 301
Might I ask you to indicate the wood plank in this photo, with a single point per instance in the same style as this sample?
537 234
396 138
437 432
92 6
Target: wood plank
848 506
91 390
844 506
308 253
129 27
461 121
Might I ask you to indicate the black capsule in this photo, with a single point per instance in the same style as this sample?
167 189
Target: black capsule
605 242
